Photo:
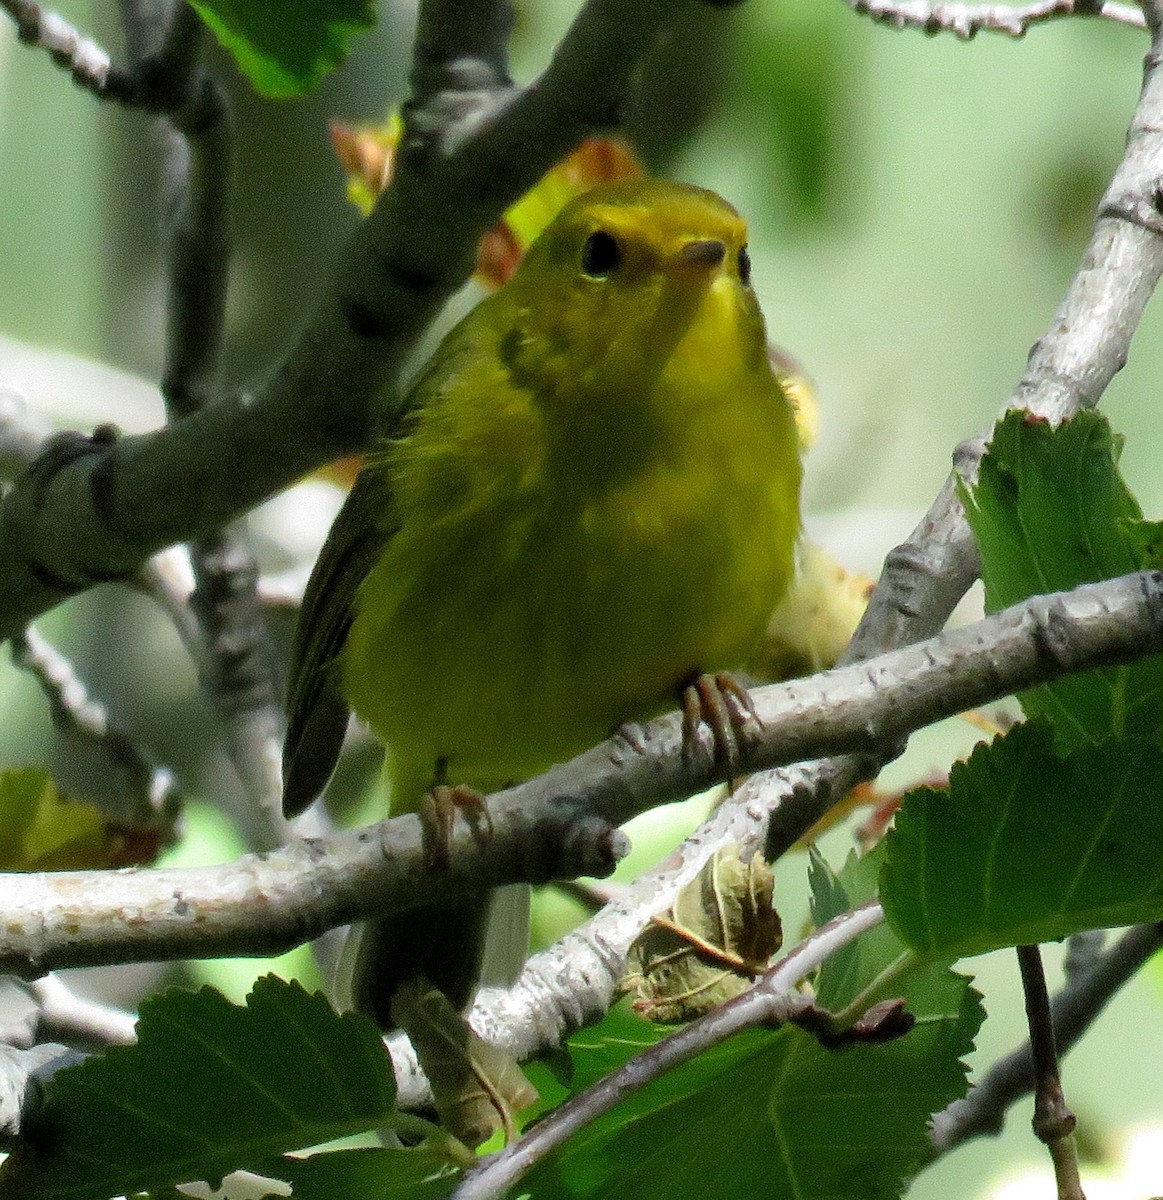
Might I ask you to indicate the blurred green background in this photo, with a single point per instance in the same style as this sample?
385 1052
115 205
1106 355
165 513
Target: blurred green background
917 205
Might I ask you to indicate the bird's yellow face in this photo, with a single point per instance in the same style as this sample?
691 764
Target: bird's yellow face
623 276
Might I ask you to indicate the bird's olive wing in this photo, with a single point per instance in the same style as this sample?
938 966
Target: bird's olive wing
317 710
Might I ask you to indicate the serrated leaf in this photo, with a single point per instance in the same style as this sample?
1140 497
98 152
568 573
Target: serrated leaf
709 946
285 48
210 1087
1028 846
375 1173
1050 511
41 830
774 1114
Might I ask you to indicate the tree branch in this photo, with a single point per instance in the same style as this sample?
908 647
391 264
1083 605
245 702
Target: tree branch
1073 1010
572 983
234 660
967 20
145 85
155 799
564 823
63 1016
1053 1121
1069 368
89 65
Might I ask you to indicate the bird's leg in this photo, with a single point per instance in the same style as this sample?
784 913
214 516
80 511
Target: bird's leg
438 813
723 704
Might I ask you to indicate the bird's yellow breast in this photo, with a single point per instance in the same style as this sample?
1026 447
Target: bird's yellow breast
558 569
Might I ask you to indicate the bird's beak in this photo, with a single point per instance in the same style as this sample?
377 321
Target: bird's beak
705 254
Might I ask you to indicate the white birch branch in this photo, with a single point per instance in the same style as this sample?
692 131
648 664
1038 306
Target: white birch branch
967 20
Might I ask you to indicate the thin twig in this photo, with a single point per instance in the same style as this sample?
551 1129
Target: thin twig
156 800
63 1016
1053 1121
236 673
1073 1010
773 1001
145 85
89 65
967 20
253 738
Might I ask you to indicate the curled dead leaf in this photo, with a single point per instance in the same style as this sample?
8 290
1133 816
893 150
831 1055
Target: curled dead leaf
710 945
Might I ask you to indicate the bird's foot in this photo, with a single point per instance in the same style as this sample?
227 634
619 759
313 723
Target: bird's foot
438 814
723 704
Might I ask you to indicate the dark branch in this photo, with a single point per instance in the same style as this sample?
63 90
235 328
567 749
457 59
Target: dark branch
1073 1010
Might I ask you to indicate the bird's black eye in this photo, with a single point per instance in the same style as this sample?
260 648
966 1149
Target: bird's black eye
601 255
745 266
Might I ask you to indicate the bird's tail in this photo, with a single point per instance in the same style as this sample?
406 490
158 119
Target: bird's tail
480 938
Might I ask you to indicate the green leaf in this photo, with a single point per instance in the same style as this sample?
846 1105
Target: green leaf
776 1115
377 1173
285 48
847 973
1027 846
589 1055
1146 541
41 830
1050 511
209 1087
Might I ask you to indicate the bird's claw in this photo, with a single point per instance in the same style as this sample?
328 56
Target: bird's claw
438 814
724 705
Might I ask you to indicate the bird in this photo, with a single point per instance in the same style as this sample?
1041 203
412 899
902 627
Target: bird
591 500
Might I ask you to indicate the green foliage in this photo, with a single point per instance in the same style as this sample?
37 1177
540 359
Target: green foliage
849 971
375 1173
1054 828
1050 511
1027 845
210 1087
796 70
286 48
41 830
774 1113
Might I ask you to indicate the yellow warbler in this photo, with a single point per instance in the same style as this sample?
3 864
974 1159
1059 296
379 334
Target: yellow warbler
594 497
